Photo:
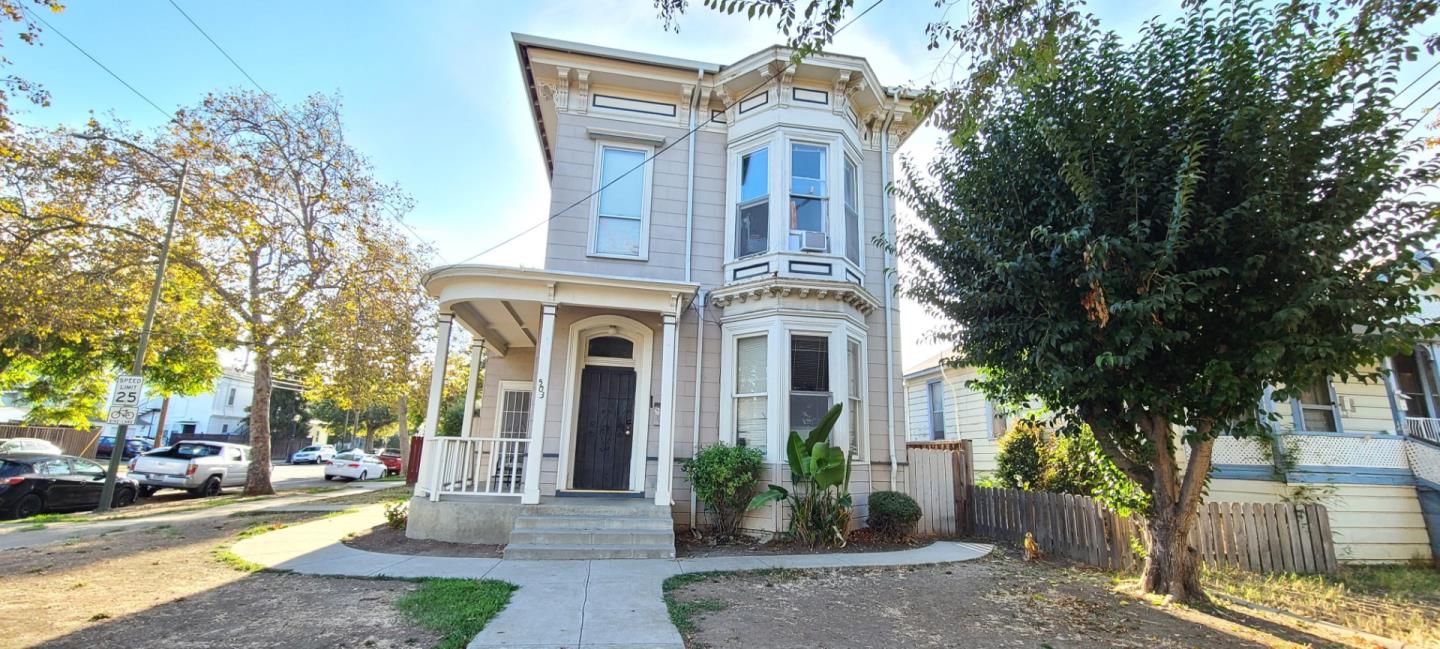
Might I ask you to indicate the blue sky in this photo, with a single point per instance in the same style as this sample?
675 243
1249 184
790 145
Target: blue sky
432 90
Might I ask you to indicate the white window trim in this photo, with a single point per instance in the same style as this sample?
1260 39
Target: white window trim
733 199
828 198
510 386
863 386
778 330
593 236
778 140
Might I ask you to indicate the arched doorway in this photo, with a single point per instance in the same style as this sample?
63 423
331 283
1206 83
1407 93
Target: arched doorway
609 377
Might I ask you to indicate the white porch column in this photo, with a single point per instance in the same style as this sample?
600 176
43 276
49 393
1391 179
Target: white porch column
665 472
477 349
531 495
432 404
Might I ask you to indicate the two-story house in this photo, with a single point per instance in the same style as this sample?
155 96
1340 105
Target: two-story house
709 276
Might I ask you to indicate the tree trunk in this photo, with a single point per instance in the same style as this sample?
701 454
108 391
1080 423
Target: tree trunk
257 481
369 436
1171 564
160 425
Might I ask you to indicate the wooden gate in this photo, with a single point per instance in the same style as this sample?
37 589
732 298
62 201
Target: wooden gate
939 477
79 442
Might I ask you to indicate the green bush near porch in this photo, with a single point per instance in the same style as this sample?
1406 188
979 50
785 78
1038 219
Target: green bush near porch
724 478
892 514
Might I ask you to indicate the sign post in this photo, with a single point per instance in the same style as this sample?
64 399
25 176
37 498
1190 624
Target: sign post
121 413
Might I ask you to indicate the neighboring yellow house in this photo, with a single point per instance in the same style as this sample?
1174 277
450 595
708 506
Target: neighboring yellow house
1369 451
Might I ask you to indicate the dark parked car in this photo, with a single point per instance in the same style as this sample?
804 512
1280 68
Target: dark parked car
133 446
31 483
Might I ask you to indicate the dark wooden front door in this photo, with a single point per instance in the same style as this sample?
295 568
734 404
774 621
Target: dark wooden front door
606 430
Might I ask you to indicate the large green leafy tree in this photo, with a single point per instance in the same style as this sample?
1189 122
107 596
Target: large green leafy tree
1146 235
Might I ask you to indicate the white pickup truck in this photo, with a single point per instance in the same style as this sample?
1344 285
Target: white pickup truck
202 468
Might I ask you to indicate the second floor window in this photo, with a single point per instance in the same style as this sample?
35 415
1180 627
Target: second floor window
619 228
852 212
808 196
1318 411
752 223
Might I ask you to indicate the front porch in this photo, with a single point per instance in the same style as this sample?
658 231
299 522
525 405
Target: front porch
558 527
580 374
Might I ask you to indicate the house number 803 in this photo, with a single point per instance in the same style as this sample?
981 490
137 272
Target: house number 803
540 388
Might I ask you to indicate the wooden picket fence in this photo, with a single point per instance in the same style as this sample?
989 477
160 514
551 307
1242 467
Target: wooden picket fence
1257 537
79 442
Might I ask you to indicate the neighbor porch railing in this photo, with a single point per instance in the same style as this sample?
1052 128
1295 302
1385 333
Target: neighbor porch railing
1426 428
475 466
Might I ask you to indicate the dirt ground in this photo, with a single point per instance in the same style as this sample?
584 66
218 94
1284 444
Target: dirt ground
995 602
688 546
161 586
383 539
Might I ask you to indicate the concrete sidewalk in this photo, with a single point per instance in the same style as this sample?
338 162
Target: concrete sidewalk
601 604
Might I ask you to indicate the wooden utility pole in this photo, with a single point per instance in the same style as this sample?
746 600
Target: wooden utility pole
160 426
117 451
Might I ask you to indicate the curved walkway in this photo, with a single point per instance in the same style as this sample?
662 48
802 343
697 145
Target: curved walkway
601 603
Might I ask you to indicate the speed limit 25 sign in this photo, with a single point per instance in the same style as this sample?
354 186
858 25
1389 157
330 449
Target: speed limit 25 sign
125 403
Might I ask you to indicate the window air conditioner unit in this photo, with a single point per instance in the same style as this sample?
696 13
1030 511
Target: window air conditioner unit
814 241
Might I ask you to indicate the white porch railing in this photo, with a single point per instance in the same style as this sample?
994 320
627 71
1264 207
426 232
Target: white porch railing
1426 428
475 466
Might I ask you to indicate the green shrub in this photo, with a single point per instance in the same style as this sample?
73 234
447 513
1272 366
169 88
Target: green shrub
1034 458
1022 460
724 479
893 514
397 514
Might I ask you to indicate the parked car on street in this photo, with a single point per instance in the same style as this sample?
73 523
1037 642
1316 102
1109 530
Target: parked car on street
32 483
394 465
29 445
133 446
202 468
354 465
316 454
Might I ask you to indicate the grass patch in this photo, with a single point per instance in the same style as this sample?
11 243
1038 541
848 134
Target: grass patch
1400 602
225 555
682 613
33 527
57 518
457 608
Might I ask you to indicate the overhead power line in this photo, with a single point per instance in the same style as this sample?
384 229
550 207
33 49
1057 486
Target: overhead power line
106 68
688 135
271 98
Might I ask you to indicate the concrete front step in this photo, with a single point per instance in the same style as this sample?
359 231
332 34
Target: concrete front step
589 551
576 521
591 536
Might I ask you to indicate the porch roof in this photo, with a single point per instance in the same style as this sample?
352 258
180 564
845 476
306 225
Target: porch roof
502 304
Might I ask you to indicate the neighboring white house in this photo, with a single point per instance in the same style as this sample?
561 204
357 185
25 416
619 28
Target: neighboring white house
1369 451
727 291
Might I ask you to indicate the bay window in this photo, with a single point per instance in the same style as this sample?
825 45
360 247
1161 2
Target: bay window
809 381
808 197
852 212
750 400
622 207
752 219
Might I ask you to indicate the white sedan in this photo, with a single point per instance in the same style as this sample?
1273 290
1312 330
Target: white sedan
29 445
354 465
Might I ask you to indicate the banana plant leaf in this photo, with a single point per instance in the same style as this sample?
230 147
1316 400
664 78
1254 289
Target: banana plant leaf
775 493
